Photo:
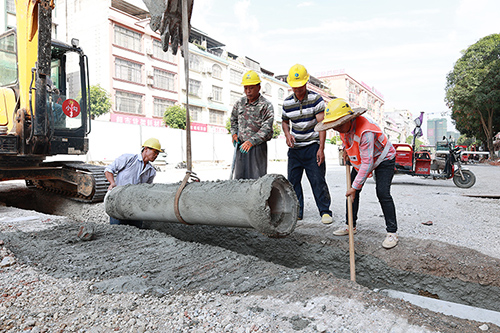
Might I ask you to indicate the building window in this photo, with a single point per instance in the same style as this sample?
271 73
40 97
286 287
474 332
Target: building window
217 71
234 97
10 6
194 88
160 106
235 76
128 39
127 70
159 54
281 93
195 113
217 93
216 117
194 62
164 80
8 59
267 89
127 102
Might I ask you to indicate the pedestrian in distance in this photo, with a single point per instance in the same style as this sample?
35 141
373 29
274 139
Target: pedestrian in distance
369 151
133 169
251 127
302 110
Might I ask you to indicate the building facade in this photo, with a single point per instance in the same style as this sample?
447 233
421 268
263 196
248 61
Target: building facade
357 93
436 129
127 60
398 125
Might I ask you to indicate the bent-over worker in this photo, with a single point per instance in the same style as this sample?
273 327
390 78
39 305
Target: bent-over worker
368 150
133 169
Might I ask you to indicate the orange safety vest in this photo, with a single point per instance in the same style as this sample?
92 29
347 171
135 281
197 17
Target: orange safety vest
364 124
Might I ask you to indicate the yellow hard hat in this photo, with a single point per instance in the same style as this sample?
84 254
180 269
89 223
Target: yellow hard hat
337 113
336 109
297 76
250 78
152 143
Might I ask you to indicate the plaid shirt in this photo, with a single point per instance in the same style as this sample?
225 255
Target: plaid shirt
369 151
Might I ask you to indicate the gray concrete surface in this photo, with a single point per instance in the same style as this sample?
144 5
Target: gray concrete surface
238 276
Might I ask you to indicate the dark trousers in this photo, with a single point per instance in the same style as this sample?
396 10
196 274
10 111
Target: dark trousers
134 223
383 179
300 159
251 165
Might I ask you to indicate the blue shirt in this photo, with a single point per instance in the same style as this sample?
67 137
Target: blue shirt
302 115
130 169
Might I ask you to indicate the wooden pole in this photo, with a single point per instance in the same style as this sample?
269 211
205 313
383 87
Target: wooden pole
350 220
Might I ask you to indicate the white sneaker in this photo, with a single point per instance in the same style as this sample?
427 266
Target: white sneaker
343 231
390 240
326 219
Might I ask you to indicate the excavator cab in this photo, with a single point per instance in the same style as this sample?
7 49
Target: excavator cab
64 124
44 112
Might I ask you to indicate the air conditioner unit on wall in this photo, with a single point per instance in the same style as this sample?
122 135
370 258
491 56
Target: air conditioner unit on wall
150 81
149 51
150 73
210 96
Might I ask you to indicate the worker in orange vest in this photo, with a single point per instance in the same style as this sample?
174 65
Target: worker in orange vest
368 150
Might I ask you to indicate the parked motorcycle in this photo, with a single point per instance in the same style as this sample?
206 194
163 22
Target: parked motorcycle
421 164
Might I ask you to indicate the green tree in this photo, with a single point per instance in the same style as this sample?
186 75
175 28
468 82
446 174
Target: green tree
464 140
175 117
473 90
418 143
276 130
100 101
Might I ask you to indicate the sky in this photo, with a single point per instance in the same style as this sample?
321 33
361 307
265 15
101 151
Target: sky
403 49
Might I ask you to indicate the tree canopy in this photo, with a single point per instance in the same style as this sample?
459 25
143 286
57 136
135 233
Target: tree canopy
473 90
100 101
175 117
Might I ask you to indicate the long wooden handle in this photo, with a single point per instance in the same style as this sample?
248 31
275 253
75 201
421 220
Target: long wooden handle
350 221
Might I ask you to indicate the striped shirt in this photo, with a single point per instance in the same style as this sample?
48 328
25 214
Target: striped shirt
129 169
302 115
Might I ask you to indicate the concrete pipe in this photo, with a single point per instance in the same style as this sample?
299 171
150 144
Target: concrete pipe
268 204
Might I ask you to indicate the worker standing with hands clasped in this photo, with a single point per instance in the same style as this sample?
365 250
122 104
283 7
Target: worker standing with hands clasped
304 109
251 127
368 150
133 169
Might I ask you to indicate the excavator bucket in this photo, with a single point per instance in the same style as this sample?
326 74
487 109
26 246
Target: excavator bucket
166 19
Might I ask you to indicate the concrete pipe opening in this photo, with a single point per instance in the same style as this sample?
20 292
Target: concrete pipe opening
267 204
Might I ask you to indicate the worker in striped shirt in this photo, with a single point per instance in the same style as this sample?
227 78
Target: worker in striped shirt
302 110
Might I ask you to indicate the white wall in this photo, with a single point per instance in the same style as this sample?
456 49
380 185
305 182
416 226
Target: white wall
108 140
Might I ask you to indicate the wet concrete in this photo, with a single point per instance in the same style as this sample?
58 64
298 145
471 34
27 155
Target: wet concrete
372 269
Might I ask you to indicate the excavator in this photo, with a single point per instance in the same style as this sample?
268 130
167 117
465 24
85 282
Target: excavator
44 107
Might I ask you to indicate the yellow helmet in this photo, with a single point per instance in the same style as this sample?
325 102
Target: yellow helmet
152 143
297 76
250 78
336 109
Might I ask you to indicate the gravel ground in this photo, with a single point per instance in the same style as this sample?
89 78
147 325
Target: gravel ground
50 281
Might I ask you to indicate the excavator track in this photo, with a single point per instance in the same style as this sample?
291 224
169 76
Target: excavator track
77 181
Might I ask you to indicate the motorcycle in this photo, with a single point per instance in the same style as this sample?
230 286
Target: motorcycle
421 164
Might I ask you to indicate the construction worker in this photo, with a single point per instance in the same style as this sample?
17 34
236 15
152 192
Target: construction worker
304 109
251 127
368 150
133 169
